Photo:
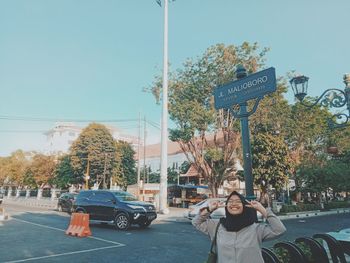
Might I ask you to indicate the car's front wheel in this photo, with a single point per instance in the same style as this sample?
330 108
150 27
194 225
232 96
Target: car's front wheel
122 221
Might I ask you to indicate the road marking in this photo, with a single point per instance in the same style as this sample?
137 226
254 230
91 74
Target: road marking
64 254
58 229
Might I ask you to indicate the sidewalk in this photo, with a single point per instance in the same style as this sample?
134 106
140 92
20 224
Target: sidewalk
175 215
32 202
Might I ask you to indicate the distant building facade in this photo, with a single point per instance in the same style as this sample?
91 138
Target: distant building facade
61 137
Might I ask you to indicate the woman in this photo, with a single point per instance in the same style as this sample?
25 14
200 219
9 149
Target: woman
239 235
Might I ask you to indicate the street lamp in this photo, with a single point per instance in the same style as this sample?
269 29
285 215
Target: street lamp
163 186
330 98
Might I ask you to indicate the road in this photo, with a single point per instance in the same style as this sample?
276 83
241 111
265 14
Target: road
37 235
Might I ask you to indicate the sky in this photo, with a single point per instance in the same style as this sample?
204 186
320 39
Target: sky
91 59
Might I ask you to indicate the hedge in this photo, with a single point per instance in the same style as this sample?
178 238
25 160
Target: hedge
300 207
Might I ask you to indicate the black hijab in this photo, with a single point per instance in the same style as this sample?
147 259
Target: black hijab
235 223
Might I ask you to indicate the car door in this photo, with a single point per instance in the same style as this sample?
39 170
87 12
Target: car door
108 202
103 205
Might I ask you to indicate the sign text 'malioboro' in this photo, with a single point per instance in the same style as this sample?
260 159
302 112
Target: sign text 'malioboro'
250 87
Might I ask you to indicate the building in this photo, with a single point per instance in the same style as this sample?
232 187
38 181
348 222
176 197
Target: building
60 138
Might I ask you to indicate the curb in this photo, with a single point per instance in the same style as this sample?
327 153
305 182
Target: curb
313 214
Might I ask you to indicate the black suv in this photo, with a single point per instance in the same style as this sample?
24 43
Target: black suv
117 207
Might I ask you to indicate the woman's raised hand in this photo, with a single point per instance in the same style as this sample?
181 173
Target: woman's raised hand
258 207
213 205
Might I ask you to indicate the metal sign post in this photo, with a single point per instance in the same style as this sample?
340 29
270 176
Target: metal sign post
238 92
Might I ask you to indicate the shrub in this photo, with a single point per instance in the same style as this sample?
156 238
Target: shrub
299 208
337 204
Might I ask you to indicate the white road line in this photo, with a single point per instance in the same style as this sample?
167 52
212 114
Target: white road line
63 254
58 229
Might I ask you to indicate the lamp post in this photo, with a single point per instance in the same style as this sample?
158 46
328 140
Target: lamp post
334 98
163 186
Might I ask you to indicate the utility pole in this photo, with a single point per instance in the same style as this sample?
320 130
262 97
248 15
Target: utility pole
138 159
163 187
87 175
145 175
104 172
144 156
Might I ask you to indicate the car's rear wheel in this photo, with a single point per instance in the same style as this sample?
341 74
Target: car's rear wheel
122 221
145 224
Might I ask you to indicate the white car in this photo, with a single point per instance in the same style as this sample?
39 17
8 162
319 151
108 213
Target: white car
193 210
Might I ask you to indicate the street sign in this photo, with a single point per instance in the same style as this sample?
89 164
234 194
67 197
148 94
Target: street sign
242 90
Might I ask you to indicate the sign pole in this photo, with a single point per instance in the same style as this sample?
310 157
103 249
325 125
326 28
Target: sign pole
247 156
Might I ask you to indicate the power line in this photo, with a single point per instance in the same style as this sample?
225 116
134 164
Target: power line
20 118
21 131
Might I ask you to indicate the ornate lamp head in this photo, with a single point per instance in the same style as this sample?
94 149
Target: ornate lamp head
299 85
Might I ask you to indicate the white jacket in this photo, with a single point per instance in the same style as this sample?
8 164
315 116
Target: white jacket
243 246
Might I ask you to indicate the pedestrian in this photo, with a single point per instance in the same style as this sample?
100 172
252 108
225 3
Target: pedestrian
239 235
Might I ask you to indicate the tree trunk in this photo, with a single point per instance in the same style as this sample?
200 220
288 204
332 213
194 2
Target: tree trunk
264 198
213 189
298 197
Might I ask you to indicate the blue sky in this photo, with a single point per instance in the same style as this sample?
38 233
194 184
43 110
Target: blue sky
90 59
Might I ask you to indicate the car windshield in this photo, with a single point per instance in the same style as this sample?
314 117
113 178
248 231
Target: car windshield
124 196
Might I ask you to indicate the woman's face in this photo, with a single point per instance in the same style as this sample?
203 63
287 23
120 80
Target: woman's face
234 205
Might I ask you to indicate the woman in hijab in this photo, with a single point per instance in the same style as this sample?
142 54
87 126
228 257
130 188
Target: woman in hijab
239 235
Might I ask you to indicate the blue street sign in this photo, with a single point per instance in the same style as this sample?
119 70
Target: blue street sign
242 90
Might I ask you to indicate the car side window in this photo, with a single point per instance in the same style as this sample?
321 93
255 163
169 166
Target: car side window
85 195
102 197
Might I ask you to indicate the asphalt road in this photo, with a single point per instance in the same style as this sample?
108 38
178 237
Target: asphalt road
37 235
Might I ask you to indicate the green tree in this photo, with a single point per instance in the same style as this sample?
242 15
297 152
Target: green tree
96 144
271 163
125 167
64 173
273 112
208 138
307 136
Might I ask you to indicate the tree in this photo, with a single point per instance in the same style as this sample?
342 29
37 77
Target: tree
14 167
64 173
208 138
95 143
3 169
307 136
271 163
273 112
42 168
125 167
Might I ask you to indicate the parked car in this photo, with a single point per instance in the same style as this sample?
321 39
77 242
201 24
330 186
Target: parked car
115 207
66 201
193 210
